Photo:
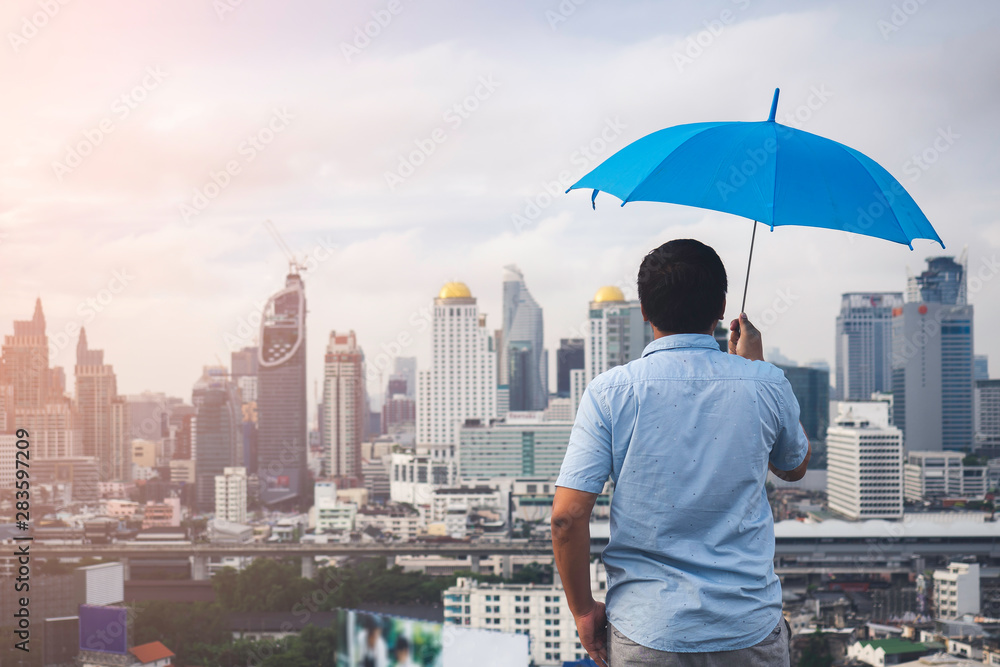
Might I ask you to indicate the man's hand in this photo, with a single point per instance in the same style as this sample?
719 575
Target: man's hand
593 630
745 340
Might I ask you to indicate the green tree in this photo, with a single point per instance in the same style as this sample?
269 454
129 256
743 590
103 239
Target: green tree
816 652
182 627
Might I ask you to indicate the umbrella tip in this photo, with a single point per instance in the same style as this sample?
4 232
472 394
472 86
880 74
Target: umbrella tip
774 105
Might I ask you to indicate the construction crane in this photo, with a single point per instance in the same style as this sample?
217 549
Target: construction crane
294 264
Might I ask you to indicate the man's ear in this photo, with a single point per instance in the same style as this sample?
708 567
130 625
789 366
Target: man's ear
642 309
722 315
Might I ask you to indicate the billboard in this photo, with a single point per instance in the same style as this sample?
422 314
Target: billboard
103 629
377 640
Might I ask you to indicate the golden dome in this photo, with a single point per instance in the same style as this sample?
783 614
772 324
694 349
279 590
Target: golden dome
454 291
609 293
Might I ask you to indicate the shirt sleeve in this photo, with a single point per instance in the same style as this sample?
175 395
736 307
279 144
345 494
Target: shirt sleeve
791 446
588 460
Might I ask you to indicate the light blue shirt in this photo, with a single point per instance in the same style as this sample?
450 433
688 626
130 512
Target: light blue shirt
686 433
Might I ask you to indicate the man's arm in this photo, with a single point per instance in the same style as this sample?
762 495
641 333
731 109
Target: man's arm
571 511
797 473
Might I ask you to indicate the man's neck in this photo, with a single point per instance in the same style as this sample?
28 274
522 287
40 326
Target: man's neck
660 334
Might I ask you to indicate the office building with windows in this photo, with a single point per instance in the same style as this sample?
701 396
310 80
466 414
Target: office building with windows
282 432
538 611
864 462
864 344
461 382
345 406
519 445
932 361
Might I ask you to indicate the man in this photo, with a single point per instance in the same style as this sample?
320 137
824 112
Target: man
687 433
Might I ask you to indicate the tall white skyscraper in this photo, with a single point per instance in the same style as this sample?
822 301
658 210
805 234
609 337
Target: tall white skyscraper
461 382
864 344
523 362
616 333
864 462
345 406
231 495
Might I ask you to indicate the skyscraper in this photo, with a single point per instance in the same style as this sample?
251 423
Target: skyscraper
345 407
522 357
96 393
26 361
616 333
569 357
282 431
33 395
932 361
217 436
461 382
864 344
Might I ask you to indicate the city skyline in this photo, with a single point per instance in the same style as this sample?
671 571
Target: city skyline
568 94
416 349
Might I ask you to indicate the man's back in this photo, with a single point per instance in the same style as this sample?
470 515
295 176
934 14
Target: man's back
686 433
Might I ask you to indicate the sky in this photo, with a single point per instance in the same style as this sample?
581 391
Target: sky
397 145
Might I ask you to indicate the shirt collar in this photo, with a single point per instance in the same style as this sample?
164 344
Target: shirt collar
681 341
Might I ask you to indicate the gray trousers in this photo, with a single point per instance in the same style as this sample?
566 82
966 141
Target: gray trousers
772 651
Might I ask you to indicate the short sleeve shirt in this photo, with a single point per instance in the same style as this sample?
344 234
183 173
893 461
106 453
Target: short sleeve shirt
686 433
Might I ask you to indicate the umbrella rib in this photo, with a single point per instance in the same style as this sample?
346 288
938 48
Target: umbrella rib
878 189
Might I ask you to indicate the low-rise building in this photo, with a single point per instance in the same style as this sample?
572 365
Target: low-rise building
165 514
885 652
538 611
956 590
935 475
399 521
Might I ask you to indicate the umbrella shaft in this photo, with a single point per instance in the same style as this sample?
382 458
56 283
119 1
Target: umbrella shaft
749 260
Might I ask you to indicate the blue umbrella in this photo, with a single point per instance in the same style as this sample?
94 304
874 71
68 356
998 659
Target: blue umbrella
765 171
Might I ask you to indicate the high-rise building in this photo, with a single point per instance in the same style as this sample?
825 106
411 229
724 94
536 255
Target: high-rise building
569 357
864 344
988 414
811 387
103 417
26 361
282 431
523 366
231 494
217 434
616 333
864 462
932 361
461 382
345 406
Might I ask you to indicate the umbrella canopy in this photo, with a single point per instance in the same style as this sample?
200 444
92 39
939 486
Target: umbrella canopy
767 172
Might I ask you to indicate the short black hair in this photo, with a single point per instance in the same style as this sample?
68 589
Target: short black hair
682 286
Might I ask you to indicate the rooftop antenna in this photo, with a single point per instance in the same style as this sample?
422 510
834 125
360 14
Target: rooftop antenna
294 264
